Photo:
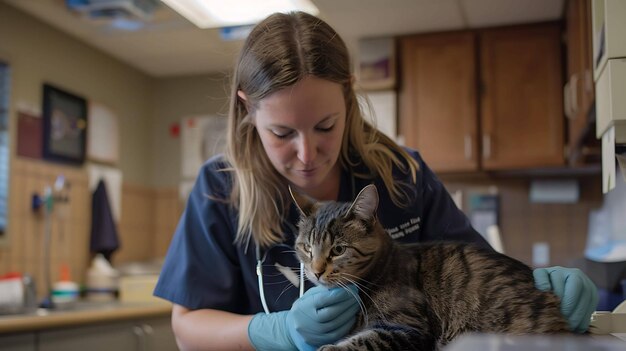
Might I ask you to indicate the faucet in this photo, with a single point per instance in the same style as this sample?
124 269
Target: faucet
58 193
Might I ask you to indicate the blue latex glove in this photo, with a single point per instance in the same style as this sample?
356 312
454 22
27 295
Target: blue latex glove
321 316
578 294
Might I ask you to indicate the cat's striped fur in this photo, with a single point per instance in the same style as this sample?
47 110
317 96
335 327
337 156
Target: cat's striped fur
417 296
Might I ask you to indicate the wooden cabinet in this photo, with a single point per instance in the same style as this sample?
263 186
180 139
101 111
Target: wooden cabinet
118 336
160 335
488 99
521 100
18 342
579 92
438 101
143 335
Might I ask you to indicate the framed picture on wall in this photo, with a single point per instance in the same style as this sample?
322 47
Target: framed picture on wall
377 63
64 126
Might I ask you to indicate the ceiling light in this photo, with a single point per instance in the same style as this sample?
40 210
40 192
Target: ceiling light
224 13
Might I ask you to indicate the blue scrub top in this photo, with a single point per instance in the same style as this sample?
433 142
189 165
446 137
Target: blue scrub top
205 269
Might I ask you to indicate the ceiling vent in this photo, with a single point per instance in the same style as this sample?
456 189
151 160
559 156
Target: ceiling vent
114 9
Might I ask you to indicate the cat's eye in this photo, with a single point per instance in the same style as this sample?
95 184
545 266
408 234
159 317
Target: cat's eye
338 250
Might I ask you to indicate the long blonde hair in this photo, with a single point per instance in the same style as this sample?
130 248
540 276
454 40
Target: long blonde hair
279 52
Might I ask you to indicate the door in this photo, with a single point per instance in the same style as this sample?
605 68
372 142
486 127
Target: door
521 97
438 113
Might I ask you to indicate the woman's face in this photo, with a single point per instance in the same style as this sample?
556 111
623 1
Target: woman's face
301 128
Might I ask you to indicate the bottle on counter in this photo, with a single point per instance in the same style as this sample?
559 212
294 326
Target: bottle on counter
65 292
102 280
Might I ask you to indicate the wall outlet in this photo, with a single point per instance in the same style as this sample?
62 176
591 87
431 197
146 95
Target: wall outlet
541 254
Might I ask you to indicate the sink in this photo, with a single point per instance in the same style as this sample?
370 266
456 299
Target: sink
75 306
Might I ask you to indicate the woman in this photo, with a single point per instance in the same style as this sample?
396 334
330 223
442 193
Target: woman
295 121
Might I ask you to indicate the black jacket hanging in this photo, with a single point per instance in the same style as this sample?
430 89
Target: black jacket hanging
104 238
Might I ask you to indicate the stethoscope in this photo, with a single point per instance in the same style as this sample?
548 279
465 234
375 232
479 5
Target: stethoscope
259 263
259 274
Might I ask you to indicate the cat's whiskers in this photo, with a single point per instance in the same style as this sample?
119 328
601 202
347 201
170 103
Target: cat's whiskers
358 285
365 283
279 282
357 297
284 290
272 274
274 265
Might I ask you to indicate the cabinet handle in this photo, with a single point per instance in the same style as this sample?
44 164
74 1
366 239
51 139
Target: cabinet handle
567 105
141 337
147 329
468 147
486 146
574 94
138 331
570 97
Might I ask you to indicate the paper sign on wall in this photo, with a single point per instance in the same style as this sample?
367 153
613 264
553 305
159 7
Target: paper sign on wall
102 137
384 110
201 138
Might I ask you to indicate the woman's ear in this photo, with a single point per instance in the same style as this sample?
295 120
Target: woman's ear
242 96
244 100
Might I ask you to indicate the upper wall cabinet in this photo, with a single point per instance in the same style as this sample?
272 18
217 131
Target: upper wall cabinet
579 89
488 99
438 114
522 98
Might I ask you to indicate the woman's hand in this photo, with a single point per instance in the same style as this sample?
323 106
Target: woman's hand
578 294
321 316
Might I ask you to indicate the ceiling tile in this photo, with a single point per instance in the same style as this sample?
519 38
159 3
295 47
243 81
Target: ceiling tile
488 13
169 45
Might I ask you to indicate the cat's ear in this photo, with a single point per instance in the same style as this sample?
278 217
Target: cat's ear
303 203
366 203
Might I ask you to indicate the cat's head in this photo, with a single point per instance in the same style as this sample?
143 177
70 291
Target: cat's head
336 242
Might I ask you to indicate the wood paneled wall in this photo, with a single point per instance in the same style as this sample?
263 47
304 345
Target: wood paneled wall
147 222
167 211
522 223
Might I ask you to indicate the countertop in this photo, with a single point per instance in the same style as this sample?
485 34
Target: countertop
81 314
571 342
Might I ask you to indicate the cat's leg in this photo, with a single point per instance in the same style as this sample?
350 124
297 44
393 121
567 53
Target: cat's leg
385 337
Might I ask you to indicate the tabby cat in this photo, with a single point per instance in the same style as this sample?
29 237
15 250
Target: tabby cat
416 296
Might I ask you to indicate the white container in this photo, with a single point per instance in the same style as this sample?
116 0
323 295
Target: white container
610 101
139 288
608 31
137 282
102 280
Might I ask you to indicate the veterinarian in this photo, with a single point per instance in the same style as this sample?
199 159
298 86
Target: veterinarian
294 120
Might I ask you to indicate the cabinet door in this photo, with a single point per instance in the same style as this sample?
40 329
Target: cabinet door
521 97
114 336
438 113
159 335
18 342
579 89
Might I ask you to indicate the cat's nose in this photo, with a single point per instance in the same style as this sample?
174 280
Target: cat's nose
318 275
